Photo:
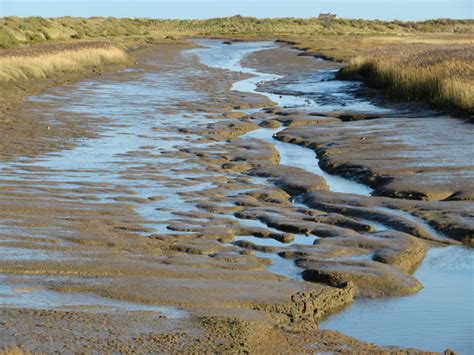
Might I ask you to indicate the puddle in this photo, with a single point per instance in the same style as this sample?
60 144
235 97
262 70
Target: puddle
282 266
418 221
17 254
304 158
440 316
130 105
299 240
25 295
322 91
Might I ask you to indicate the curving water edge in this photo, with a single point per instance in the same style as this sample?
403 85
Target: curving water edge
439 316
105 160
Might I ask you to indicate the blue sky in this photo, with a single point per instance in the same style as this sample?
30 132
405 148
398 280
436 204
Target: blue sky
370 9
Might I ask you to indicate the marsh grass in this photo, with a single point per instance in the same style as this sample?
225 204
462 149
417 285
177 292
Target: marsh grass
12 350
16 68
442 75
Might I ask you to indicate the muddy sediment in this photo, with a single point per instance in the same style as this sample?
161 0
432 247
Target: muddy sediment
177 209
395 155
61 229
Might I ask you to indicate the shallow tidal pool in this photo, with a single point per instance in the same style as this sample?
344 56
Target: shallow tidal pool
438 317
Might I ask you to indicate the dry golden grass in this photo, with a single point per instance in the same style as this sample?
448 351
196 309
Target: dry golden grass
12 350
14 68
433 68
440 74
346 47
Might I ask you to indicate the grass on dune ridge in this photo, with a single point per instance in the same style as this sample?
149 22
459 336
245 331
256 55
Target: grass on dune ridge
12 350
430 61
14 30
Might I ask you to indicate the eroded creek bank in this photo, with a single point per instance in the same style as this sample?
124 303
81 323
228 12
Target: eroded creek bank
186 210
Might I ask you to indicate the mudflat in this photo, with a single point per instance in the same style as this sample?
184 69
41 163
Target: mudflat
141 212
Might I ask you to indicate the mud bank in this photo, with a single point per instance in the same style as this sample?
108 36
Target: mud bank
400 157
127 229
462 216
179 228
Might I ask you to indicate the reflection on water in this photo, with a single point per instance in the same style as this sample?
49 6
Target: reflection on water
282 266
418 221
439 316
300 239
304 158
37 297
318 91
324 93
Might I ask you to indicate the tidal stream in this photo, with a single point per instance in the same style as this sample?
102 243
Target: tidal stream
439 316
137 158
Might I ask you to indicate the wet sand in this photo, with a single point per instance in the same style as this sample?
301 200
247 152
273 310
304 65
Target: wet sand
170 221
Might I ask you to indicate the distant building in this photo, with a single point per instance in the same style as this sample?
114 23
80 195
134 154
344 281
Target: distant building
327 15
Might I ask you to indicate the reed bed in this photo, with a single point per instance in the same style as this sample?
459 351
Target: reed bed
12 350
14 68
442 75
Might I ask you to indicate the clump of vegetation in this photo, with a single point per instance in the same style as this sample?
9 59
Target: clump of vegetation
15 68
7 39
37 30
12 350
439 74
